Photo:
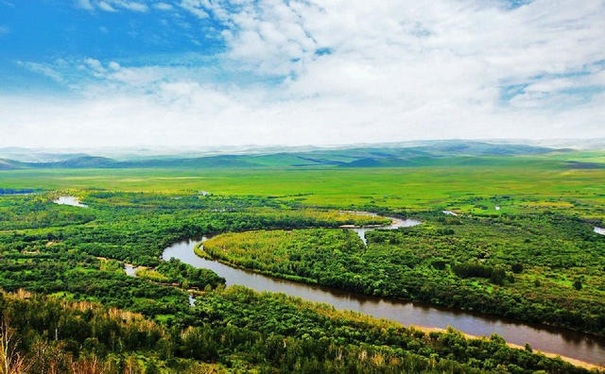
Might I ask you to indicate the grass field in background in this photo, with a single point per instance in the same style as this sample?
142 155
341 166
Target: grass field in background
513 184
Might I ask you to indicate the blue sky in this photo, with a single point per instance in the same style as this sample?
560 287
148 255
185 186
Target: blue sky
48 32
202 73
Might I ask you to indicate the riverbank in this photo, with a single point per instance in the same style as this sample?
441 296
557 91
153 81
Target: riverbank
576 346
573 361
198 249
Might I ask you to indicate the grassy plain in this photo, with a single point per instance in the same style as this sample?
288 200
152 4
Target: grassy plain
527 184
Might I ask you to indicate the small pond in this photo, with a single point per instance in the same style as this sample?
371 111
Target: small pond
69 200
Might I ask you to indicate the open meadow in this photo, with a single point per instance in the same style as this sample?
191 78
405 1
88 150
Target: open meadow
530 184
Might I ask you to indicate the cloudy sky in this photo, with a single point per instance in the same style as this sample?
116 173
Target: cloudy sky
296 72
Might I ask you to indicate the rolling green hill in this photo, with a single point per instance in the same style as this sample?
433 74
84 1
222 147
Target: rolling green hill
390 155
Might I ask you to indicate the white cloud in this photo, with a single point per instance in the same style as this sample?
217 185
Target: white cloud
106 7
163 6
45 70
112 6
94 64
195 7
114 66
84 4
335 71
188 113
131 5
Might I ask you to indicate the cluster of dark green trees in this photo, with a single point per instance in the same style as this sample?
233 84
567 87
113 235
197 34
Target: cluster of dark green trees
536 268
136 227
237 329
187 276
86 315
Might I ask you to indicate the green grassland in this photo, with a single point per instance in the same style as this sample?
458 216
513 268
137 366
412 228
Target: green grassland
533 184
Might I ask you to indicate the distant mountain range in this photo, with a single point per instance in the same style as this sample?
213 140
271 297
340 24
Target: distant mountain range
384 155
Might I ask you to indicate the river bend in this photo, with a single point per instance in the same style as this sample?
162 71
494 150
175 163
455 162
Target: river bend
563 342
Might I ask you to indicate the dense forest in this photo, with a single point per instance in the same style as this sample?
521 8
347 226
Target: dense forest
239 330
545 268
68 305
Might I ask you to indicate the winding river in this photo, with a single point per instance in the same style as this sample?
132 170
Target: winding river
562 342
395 224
